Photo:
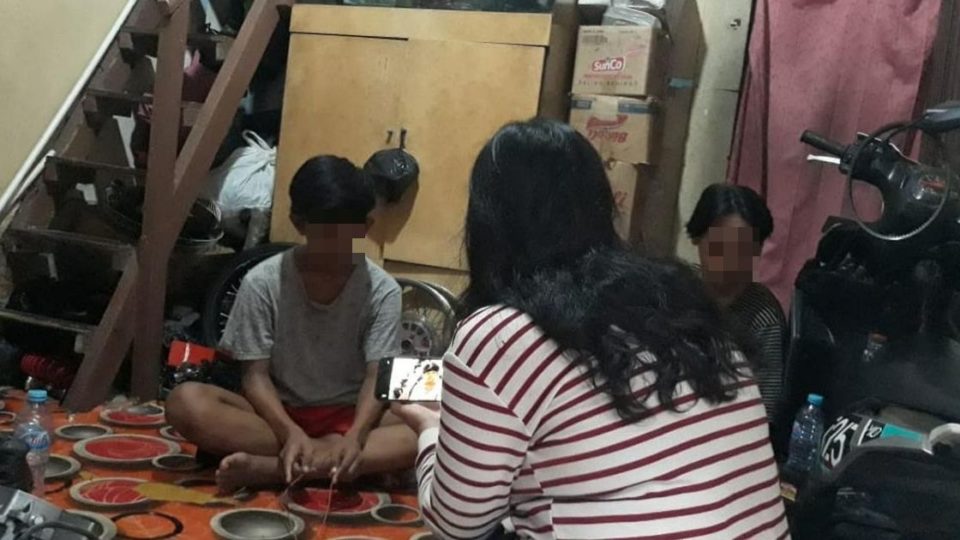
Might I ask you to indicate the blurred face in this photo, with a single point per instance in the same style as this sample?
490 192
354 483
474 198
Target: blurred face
727 250
332 242
430 379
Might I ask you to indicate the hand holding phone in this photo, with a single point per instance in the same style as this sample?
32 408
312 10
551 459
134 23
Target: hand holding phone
409 379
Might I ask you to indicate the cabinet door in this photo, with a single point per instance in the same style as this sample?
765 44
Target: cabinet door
455 96
341 98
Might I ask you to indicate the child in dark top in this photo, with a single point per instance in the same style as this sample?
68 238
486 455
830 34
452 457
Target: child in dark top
729 226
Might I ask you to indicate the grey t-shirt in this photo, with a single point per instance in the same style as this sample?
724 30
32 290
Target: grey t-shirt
318 352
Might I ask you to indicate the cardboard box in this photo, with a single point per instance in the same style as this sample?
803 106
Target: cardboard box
629 183
620 61
619 128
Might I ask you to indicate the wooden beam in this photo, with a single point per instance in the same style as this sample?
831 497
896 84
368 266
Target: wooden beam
170 6
218 111
164 139
107 346
114 334
445 25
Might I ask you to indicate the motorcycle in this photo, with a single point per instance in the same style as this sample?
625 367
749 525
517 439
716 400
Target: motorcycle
890 455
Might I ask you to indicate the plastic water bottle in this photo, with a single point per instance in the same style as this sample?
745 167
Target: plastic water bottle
33 428
805 439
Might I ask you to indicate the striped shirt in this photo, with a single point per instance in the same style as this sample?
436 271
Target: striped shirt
525 434
759 313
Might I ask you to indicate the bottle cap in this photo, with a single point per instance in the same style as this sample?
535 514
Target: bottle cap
37 396
878 338
815 399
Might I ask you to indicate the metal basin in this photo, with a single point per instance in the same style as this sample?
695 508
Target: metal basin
256 524
60 467
78 432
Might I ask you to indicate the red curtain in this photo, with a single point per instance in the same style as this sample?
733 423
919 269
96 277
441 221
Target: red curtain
836 67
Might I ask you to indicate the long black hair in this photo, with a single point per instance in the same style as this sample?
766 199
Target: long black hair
540 238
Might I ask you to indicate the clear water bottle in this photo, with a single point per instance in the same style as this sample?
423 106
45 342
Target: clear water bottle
875 343
34 428
805 439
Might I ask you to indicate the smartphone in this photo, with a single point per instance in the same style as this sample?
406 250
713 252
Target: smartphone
409 378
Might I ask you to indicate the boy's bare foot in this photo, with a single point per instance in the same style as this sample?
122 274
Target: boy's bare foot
242 470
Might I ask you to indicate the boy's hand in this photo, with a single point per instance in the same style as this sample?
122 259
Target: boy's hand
345 456
341 458
297 448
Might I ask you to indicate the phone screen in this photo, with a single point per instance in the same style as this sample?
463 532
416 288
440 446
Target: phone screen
410 379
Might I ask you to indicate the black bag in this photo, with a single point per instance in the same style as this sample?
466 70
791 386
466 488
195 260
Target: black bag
14 471
392 171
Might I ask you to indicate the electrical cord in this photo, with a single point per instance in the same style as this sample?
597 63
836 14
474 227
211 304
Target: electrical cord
890 131
26 534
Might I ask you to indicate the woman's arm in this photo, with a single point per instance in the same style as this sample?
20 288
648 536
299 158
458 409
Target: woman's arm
466 467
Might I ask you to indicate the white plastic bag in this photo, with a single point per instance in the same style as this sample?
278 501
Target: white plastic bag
245 179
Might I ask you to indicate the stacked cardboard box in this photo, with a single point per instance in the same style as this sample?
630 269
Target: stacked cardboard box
618 75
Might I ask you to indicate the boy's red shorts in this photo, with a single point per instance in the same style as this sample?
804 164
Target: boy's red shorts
323 420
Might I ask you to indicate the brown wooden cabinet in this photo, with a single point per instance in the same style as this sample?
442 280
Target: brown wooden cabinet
357 76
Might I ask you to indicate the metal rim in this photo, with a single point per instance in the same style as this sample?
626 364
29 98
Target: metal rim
425 314
73 467
216 524
193 464
158 419
62 431
377 514
109 528
80 448
451 298
168 432
221 295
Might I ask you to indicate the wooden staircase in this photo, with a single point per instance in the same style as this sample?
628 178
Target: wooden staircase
172 180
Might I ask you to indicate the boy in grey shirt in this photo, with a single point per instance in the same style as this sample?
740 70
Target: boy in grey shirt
309 325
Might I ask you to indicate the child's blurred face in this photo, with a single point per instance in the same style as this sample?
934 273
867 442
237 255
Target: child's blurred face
332 242
728 249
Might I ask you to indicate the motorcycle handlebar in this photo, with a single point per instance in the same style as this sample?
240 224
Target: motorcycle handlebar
823 144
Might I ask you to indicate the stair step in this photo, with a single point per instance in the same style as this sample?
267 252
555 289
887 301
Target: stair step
60 170
45 322
104 253
48 238
100 104
136 42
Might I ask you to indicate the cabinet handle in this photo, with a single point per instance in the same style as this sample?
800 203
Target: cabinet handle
389 135
403 138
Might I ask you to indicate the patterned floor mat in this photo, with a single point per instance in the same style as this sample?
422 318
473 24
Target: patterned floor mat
107 485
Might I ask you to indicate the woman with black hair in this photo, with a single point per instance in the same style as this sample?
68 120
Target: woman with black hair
729 226
592 393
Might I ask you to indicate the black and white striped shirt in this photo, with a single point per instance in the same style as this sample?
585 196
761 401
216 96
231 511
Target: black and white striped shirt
759 313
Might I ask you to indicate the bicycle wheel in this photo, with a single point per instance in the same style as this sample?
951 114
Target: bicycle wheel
427 321
220 296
